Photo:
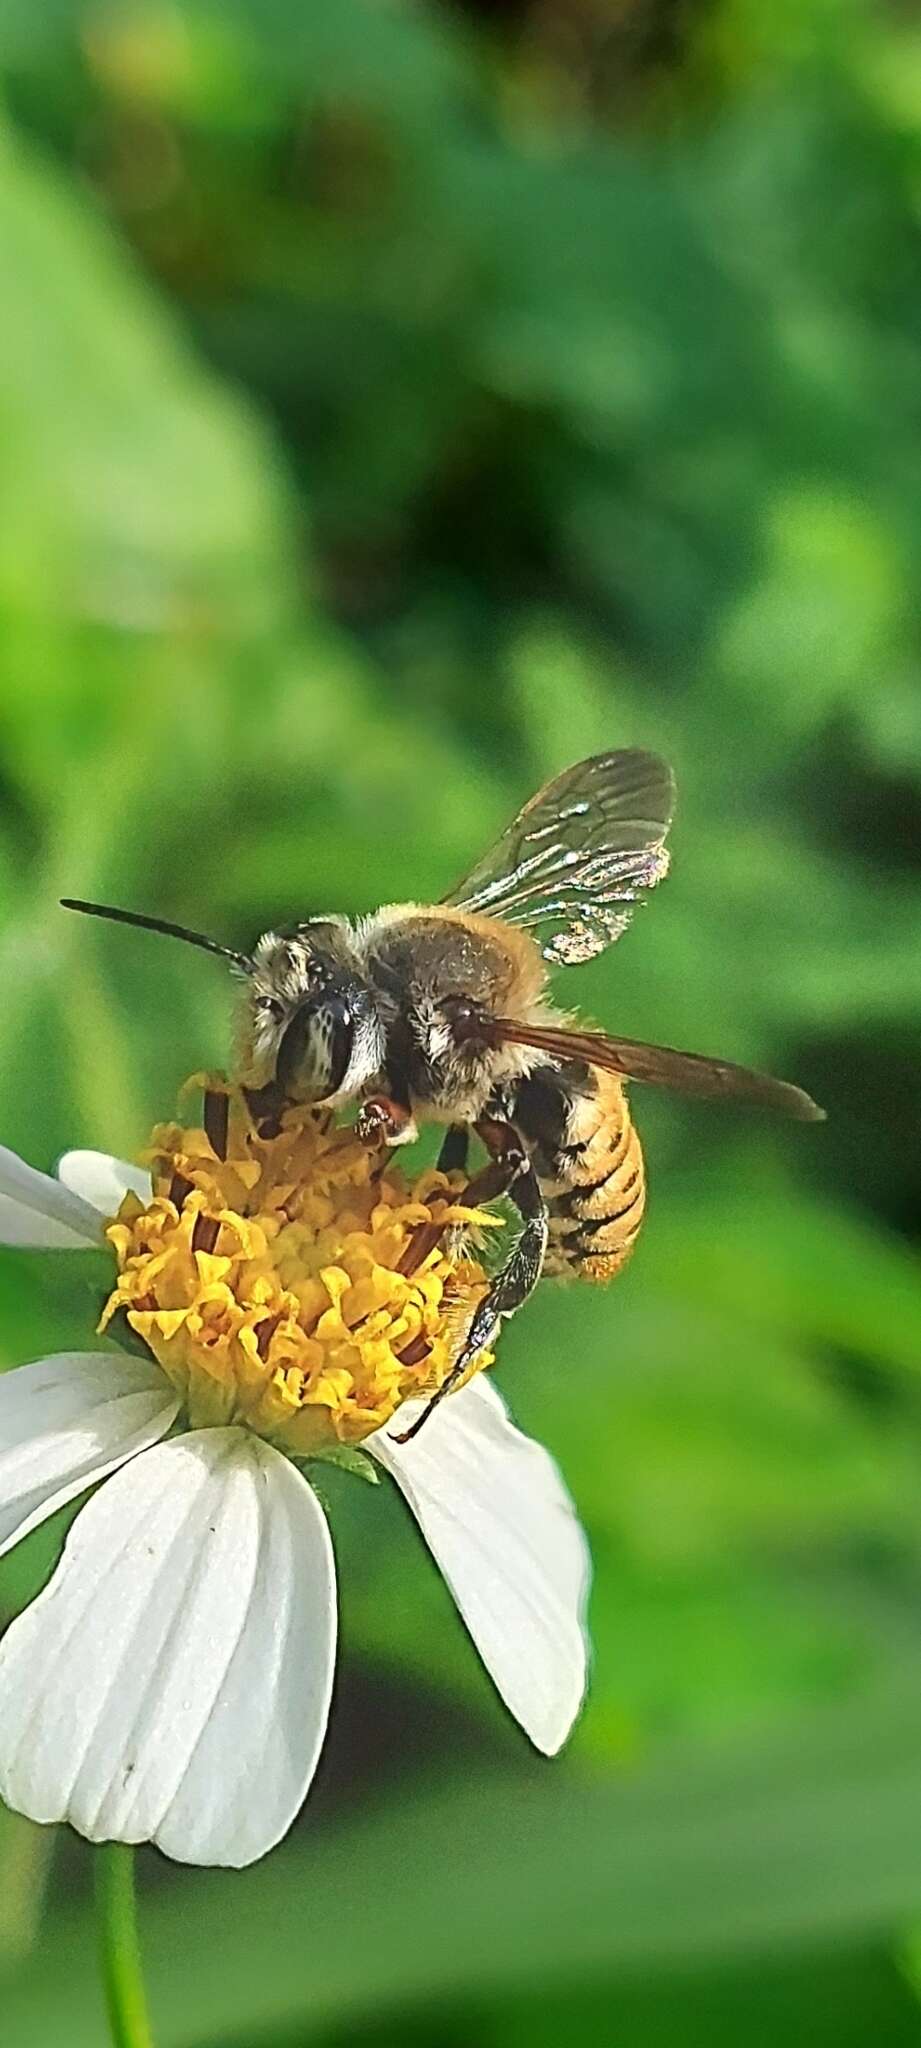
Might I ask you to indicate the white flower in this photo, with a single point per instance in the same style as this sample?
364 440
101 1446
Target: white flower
173 1681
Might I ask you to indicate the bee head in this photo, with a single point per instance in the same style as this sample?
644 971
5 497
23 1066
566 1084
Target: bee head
312 1024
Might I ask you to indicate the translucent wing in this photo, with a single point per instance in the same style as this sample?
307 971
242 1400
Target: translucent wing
573 863
691 1073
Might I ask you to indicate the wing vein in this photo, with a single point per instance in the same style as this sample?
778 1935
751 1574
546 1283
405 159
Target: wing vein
604 822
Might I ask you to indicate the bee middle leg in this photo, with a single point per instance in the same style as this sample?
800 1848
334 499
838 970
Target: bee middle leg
453 1155
510 1171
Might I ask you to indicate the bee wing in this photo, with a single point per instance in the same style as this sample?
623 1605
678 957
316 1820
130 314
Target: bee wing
691 1073
576 858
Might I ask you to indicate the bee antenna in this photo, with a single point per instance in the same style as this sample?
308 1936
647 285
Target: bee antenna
159 924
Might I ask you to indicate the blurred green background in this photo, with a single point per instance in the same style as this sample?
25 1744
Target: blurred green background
397 403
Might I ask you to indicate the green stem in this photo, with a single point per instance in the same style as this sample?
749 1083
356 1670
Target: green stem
121 1955
25 1862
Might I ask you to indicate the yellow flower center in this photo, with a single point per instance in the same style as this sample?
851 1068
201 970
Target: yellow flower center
299 1284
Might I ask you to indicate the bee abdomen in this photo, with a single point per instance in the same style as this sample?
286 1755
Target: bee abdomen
594 1183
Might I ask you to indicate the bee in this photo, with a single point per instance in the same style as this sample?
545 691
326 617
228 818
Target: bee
442 1012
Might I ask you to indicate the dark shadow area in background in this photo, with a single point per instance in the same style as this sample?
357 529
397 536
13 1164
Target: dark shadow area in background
383 1731
822 2001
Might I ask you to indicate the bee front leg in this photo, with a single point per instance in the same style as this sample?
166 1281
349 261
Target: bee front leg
382 1120
266 1106
511 1164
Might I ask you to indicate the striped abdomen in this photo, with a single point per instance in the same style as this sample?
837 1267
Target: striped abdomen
590 1166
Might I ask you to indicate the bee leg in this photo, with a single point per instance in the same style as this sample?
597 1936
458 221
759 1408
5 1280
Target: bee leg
519 1276
453 1155
265 1106
484 1187
382 1120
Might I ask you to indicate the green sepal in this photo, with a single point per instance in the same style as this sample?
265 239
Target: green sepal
119 1331
347 1457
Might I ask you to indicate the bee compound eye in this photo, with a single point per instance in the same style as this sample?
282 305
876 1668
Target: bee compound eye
316 1048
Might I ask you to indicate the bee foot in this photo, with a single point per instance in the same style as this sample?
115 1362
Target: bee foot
381 1121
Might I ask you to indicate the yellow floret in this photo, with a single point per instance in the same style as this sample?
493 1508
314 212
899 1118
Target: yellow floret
299 1285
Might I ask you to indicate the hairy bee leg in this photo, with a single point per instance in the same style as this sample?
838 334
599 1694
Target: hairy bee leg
453 1155
382 1120
495 1180
517 1279
519 1276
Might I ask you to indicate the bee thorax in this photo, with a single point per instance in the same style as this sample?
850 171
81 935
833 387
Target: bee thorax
440 979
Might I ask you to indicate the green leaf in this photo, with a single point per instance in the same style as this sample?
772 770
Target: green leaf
155 496
344 1458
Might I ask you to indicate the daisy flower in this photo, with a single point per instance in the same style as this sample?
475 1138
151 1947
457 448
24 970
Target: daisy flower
277 1297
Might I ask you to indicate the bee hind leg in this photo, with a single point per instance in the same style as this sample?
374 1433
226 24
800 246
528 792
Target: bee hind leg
522 1270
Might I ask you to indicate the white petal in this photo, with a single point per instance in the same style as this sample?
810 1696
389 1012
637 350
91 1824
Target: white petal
103 1180
68 1421
172 1683
36 1210
497 1517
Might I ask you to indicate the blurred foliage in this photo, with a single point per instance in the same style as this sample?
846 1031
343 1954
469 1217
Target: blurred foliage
396 403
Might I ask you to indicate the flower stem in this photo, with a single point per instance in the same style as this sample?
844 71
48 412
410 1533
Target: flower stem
121 1955
25 1862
